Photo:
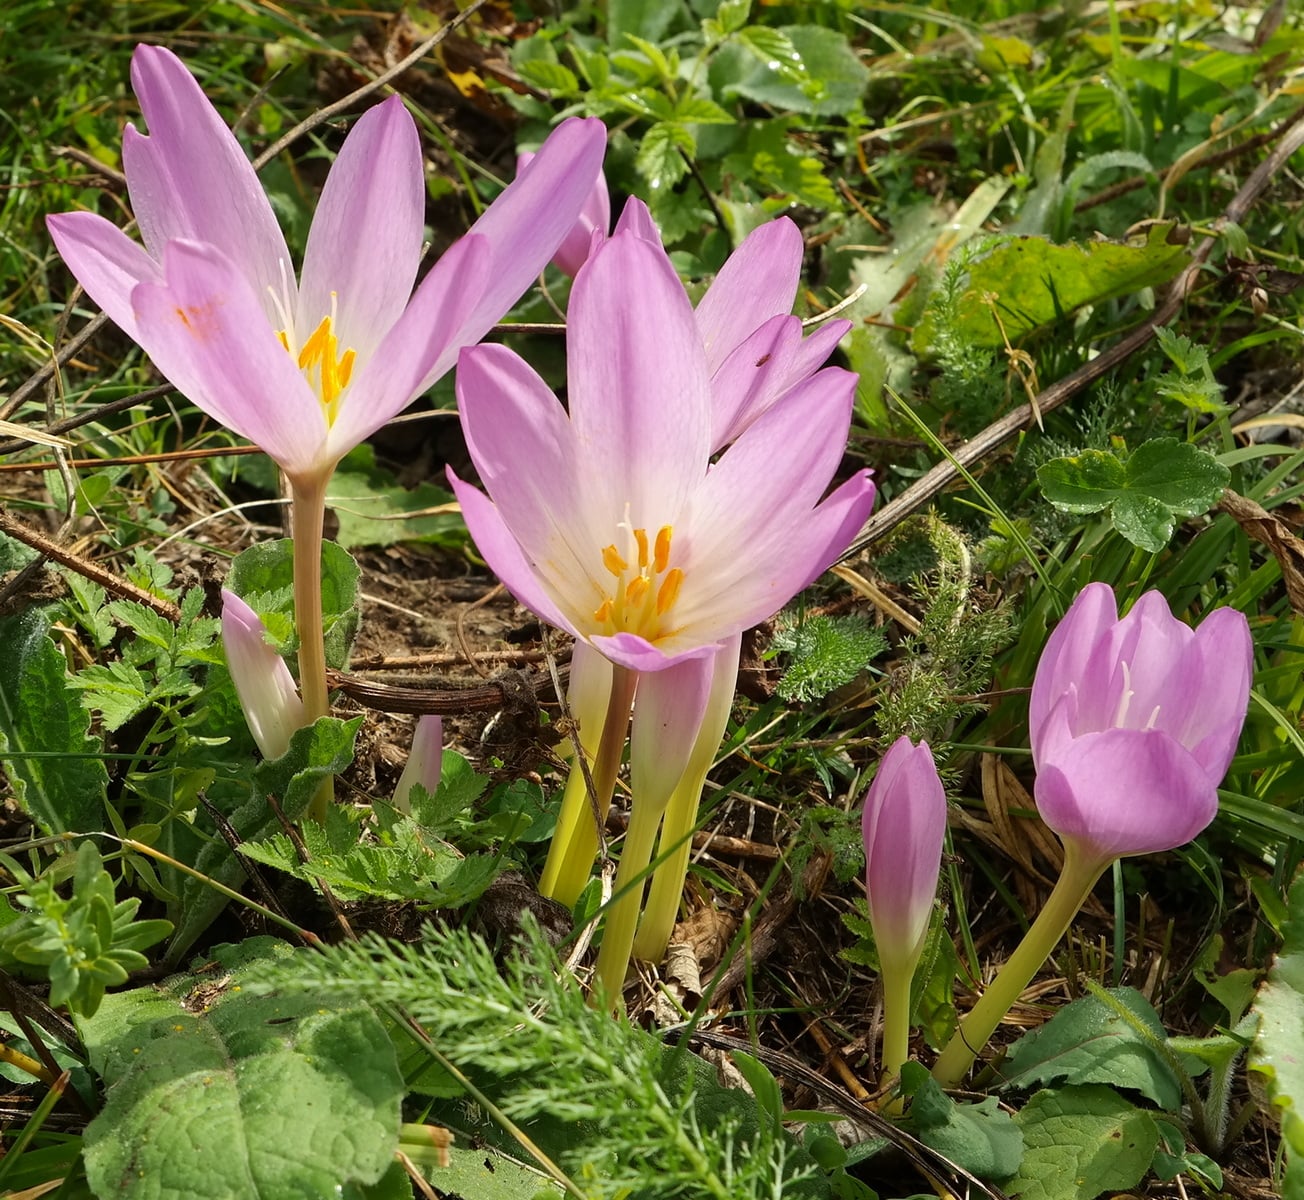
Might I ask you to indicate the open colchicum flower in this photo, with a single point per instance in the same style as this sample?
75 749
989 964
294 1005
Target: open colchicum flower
653 556
263 682
1133 724
903 824
307 369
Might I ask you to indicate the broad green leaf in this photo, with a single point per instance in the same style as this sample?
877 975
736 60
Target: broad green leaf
53 765
1029 282
1087 1042
979 1137
644 18
373 510
214 1091
487 1175
1278 1050
551 76
1079 1142
820 75
1161 480
263 576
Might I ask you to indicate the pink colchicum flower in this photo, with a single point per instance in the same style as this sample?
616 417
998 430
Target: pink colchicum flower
1134 722
262 680
904 824
307 369
425 763
611 521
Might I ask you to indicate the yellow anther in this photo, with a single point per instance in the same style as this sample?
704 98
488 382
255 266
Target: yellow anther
613 562
602 614
640 536
662 559
668 592
345 371
285 341
636 590
316 345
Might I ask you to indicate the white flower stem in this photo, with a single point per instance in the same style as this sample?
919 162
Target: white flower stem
896 977
1069 894
667 887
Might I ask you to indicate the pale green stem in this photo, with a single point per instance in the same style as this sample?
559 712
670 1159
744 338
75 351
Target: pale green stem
307 518
581 847
667 887
627 899
1069 894
896 977
575 807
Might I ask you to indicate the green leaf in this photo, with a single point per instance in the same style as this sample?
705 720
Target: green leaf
320 750
1278 1050
487 1175
979 1137
805 69
1088 1042
659 160
115 690
263 576
827 652
1079 1142
550 76
1161 480
698 110
1030 282
53 766
373 510
643 18
213 1091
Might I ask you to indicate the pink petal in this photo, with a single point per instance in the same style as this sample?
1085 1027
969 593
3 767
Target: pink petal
190 179
105 261
365 242
205 331
904 824
420 347
504 555
1089 620
263 683
639 392
425 762
668 711
526 223
1125 791
758 281
1226 649
638 654
636 218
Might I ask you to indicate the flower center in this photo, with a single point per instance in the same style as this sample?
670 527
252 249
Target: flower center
319 358
645 590
1125 703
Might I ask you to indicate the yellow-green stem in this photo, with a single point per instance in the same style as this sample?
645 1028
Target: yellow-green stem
627 899
575 808
1068 895
896 977
581 848
667 885
307 518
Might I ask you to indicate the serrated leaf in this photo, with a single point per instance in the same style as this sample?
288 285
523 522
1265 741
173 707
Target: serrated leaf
700 111
1162 479
116 690
1030 282
1278 1050
979 1137
320 750
53 765
1088 1042
1079 1142
659 159
827 652
806 69
550 76
213 1091
145 623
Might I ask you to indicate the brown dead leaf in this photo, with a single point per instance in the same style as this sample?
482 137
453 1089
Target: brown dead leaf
1273 532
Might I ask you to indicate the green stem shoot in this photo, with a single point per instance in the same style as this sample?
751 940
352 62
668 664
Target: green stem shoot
1069 894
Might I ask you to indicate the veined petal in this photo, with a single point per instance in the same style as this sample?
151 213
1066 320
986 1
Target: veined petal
526 223
504 555
190 179
365 242
205 331
420 347
757 281
263 683
1070 646
105 261
594 221
638 654
640 400
1125 791
1226 650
